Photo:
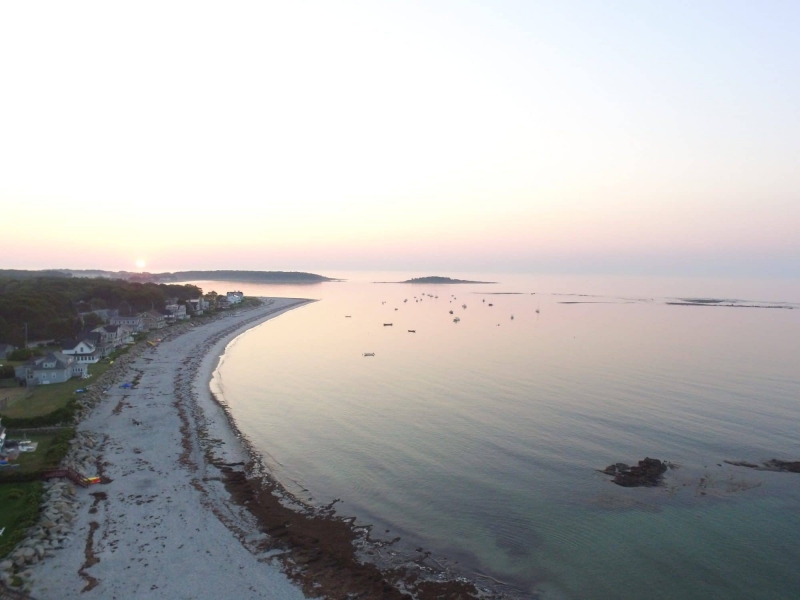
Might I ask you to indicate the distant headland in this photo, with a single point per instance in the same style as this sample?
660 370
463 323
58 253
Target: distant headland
435 279
225 275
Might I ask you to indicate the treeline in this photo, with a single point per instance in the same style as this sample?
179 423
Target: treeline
249 276
24 274
51 305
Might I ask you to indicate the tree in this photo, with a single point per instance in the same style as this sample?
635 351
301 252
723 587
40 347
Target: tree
92 320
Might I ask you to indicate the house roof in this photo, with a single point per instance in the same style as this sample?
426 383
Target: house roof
62 361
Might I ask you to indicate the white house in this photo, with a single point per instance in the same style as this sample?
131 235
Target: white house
235 297
83 351
177 312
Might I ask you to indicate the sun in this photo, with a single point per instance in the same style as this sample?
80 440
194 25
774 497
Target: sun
140 264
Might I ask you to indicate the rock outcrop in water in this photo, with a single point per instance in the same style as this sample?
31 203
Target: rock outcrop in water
647 473
770 465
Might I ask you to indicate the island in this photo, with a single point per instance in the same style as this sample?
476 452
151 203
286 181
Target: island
435 279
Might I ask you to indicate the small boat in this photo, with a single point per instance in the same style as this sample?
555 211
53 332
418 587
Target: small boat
490 304
451 312
412 331
463 306
369 354
348 317
512 317
396 309
484 300
456 320
387 324
406 300
537 311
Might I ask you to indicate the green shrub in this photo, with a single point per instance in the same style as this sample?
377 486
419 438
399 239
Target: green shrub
14 494
28 515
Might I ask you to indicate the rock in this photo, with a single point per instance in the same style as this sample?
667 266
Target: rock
6 565
782 465
647 473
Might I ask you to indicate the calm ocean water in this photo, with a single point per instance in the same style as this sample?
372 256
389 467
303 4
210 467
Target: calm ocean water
480 440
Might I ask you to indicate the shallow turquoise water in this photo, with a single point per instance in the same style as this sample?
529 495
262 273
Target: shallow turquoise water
479 440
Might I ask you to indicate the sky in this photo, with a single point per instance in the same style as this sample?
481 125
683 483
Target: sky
658 138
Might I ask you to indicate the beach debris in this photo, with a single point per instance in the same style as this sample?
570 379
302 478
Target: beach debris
647 473
770 465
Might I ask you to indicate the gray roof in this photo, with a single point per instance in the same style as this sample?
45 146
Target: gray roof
62 361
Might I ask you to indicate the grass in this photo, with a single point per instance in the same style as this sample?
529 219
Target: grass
33 461
45 399
19 509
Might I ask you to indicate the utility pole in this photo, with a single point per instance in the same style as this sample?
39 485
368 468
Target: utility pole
26 336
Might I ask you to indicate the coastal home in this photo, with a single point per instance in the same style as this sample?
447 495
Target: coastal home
56 367
134 324
152 319
197 306
223 302
83 351
234 297
108 338
6 350
177 312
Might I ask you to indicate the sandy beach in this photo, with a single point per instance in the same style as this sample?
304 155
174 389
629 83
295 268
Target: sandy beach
164 526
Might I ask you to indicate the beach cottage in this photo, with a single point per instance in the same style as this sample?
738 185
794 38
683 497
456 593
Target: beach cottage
83 351
56 367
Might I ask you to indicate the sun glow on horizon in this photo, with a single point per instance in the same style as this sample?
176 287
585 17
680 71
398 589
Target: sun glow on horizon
140 264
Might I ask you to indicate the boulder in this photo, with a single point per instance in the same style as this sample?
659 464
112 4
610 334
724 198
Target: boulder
647 472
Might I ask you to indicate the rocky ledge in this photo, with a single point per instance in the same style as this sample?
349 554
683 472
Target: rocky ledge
648 472
770 465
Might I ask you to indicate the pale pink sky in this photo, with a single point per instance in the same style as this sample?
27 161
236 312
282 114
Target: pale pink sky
566 137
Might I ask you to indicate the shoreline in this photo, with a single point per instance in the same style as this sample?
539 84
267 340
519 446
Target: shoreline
187 493
163 526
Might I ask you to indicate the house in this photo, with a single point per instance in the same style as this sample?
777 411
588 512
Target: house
6 350
56 367
152 319
83 351
223 302
177 312
197 306
234 297
133 324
